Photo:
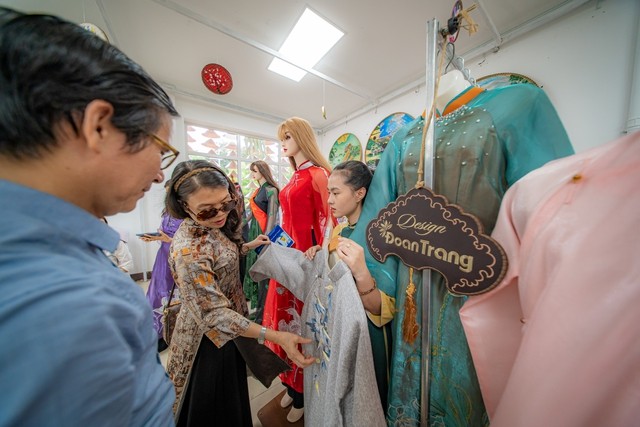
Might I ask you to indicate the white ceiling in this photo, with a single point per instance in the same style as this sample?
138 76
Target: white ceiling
382 51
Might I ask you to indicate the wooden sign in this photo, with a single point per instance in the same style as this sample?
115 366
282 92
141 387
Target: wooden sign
425 231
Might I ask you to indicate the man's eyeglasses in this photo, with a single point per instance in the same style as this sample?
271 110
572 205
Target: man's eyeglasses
170 153
211 213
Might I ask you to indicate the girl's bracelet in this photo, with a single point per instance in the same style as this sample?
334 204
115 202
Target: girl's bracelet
367 292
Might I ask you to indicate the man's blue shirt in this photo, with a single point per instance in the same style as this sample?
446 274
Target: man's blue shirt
78 346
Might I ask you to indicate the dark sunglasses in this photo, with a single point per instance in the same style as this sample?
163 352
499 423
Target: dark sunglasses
211 213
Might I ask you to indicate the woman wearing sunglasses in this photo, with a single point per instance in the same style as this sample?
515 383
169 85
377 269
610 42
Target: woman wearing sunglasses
208 372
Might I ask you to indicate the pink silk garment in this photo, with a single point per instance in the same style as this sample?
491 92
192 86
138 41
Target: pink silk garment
557 343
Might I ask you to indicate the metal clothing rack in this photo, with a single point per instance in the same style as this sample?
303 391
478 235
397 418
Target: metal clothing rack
433 36
431 76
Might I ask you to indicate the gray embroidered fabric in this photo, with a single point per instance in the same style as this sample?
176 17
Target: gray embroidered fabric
340 389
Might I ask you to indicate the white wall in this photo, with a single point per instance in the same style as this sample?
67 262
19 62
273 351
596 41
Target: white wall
583 61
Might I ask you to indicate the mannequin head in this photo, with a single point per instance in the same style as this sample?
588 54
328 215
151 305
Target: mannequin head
305 141
450 85
261 172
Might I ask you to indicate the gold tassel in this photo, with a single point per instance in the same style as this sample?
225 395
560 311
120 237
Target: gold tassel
410 327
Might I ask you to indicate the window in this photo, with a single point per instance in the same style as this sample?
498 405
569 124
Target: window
234 153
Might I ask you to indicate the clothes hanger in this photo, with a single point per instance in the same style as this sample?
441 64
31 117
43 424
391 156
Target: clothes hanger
452 30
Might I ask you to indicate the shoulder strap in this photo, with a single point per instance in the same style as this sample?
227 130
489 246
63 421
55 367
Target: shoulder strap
173 288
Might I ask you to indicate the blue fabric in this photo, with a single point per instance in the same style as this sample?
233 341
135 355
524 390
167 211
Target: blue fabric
481 149
78 344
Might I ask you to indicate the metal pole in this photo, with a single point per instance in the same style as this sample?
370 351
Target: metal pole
432 42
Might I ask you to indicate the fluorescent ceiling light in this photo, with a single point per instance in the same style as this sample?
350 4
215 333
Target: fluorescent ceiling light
310 39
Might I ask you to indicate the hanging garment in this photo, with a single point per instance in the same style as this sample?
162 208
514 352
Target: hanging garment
340 389
305 216
379 326
482 148
556 343
264 206
161 279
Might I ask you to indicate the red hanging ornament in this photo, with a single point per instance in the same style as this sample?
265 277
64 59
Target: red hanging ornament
217 79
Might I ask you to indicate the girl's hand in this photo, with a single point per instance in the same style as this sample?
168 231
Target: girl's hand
353 255
311 252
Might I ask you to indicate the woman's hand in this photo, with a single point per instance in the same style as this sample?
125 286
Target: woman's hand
286 340
311 252
289 343
353 255
162 237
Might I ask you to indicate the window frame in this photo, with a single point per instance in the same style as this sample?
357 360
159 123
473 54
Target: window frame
281 170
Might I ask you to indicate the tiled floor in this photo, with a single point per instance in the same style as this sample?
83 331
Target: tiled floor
258 394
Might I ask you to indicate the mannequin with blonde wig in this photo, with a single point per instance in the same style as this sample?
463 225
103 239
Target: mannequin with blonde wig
302 132
306 217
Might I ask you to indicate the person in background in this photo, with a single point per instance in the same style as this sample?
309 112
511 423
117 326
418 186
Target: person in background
161 281
208 371
121 257
305 217
77 117
264 206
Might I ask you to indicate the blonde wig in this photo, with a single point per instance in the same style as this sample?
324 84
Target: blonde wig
302 133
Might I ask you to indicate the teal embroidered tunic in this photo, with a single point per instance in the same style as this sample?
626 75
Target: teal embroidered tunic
481 149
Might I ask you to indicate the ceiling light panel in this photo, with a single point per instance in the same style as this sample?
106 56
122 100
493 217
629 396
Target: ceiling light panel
311 38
